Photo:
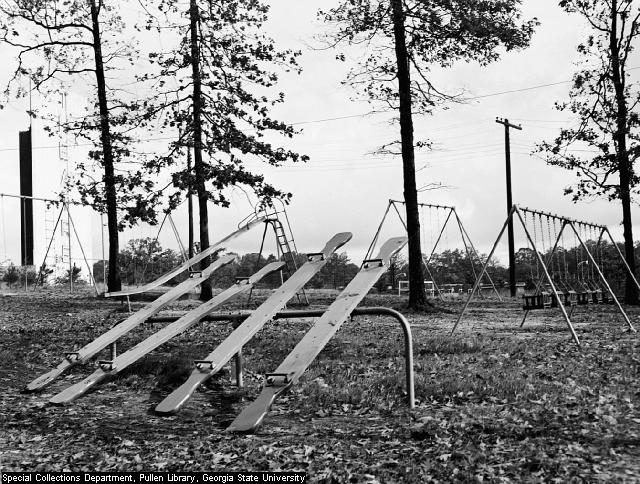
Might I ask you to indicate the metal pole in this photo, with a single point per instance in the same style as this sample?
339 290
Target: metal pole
404 223
466 248
73 226
433 280
28 197
46 254
484 268
430 205
264 236
183 253
140 280
553 287
238 363
475 252
426 265
470 256
512 256
624 261
604 281
375 237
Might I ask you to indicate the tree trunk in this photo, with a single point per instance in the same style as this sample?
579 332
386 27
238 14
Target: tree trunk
198 168
113 278
624 165
417 296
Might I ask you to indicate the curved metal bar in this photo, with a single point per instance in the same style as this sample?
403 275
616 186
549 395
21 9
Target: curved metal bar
316 313
408 344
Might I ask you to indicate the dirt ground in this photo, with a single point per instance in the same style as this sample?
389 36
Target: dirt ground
496 402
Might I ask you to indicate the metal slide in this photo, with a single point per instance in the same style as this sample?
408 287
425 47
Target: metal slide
189 263
216 360
75 357
318 336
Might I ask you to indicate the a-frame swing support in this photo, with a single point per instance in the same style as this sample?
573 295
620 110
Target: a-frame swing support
603 229
63 208
176 234
470 249
546 276
604 280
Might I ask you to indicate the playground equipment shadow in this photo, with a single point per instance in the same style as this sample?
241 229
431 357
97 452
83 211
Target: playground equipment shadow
495 401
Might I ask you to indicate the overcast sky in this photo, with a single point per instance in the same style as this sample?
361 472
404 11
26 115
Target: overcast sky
344 186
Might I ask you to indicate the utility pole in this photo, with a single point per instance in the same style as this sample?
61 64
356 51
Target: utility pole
512 255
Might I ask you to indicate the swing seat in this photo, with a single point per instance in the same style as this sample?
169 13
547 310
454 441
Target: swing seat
568 298
541 300
597 296
585 298
606 298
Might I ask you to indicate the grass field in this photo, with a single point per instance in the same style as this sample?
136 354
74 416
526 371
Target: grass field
496 403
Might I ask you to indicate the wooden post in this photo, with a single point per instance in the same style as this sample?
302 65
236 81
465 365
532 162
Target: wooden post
512 256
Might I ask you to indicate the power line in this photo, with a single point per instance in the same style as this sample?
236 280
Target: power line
543 120
361 115
523 89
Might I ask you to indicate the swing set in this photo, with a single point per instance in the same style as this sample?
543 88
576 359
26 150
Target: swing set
59 232
64 220
436 213
553 283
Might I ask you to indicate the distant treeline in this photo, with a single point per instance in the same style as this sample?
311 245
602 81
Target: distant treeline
144 260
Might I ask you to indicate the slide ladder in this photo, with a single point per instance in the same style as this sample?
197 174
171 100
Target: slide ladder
285 241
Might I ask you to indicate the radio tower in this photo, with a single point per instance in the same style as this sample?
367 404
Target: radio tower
60 254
